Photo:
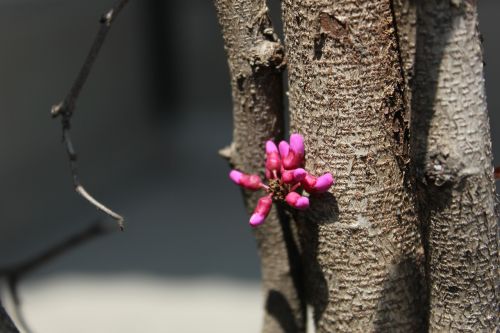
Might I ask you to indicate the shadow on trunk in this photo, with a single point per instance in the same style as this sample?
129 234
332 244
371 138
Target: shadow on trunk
387 319
317 293
278 307
433 180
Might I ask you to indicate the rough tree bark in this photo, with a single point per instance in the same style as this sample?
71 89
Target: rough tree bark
407 239
451 150
256 60
361 243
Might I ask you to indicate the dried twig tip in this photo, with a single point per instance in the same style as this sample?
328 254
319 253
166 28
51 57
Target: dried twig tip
117 217
107 18
56 109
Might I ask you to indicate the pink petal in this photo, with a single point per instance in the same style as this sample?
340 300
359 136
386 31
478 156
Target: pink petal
291 198
299 174
309 182
324 182
295 157
273 161
271 147
284 148
288 176
297 143
235 176
256 219
302 203
251 182
292 160
293 176
264 205
297 201
261 211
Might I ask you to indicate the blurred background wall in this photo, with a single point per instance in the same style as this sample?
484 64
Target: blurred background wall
147 128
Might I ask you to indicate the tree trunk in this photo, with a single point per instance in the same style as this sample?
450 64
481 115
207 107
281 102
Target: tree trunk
361 242
256 60
356 71
452 154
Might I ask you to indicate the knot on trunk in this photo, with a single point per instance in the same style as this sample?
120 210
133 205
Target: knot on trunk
267 54
444 169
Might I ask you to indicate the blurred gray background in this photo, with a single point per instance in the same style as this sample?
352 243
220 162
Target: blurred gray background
147 128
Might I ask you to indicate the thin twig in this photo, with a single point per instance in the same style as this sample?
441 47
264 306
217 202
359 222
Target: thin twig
19 270
17 311
80 190
66 108
15 273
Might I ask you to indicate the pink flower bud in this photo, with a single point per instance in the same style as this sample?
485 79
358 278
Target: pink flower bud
250 182
271 147
287 176
302 203
308 183
261 211
273 161
297 144
317 184
292 160
324 182
297 201
299 174
283 148
293 176
256 219
235 176
295 156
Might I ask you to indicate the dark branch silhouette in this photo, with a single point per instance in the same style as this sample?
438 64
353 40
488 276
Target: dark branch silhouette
15 273
66 108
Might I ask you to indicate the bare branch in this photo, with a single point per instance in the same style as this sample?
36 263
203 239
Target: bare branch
68 105
18 314
18 271
66 108
15 273
6 323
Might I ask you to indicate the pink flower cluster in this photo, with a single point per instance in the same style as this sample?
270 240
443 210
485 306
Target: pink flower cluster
285 175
